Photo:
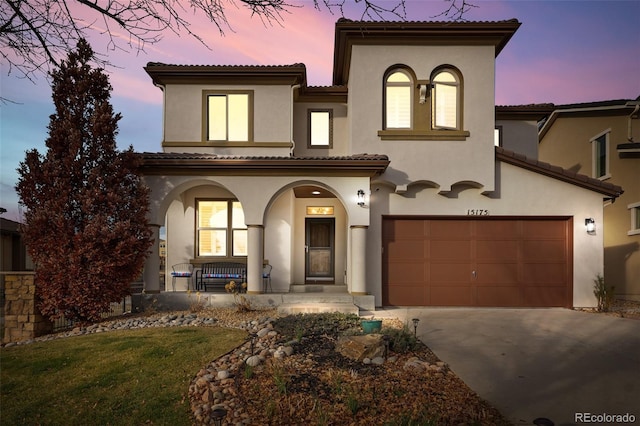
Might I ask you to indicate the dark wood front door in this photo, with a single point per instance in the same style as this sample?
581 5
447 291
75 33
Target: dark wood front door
319 247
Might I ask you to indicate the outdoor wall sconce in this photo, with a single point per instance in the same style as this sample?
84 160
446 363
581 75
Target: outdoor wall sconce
590 223
360 197
217 415
415 326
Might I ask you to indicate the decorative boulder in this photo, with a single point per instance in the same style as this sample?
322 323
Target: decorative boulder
360 347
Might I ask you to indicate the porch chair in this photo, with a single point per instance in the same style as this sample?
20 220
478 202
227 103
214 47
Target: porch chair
181 270
266 278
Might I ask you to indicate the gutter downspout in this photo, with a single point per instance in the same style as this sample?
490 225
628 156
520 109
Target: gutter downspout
630 133
293 143
164 108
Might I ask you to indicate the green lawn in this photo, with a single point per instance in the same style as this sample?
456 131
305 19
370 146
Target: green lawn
129 377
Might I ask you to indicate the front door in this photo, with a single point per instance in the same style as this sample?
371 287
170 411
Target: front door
319 247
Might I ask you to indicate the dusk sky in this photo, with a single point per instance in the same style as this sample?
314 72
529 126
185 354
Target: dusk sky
564 52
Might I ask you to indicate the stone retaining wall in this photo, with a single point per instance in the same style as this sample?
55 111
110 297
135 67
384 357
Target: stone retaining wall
22 320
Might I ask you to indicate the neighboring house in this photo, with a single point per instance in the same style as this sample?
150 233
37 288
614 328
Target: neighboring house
387 184
602 140
13 252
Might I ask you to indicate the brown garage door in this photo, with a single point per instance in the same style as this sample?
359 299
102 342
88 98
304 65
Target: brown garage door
503 262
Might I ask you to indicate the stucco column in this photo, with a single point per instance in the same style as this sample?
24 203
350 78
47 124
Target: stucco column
255 254
358 256
151 274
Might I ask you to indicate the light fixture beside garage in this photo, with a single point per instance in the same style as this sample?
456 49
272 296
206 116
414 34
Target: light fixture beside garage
360 195
590 223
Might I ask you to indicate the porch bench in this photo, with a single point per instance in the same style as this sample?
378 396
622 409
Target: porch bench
215 275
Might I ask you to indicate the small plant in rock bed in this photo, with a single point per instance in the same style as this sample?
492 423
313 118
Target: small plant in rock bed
197 304
279 378
401 340
604 294
242 303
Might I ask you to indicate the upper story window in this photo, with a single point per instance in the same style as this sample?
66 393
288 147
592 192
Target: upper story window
408 112
220 229
398 100
600 155
445 100
320 126
228 116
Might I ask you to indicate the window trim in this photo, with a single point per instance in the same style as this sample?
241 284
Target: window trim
459 97
205 116
229 230
310 129
411 84
634 210
421 113
594 163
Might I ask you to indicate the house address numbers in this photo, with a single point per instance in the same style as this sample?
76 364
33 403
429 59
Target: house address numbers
477 212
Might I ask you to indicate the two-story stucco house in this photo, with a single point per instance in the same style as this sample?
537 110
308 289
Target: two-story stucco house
387 185
602 140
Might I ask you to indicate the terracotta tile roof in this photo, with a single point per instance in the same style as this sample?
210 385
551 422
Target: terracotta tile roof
608 189
210 164
213 157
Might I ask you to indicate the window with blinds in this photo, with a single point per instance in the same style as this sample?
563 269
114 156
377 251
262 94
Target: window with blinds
398 100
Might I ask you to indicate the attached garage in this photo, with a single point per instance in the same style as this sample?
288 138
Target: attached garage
490 262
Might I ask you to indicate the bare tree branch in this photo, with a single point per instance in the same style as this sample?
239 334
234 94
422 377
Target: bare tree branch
36 34
456 10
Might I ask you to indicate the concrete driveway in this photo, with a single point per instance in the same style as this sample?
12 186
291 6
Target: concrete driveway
529 363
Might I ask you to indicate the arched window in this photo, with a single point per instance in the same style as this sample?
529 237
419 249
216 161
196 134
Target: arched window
398 99
446 99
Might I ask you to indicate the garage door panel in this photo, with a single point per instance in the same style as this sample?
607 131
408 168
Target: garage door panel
450 229
501 273
406 272
499 296
498 230
403 229
544 274
449 273
452 296
444 250
544 250
544 296
407 249
408 296
536 229
497 250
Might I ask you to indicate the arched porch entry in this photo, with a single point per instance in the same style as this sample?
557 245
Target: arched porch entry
307 238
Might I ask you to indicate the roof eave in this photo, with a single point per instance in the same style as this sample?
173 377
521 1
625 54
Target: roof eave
264 166
163 74
349 33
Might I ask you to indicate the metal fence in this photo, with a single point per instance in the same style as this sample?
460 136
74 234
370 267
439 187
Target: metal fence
117 309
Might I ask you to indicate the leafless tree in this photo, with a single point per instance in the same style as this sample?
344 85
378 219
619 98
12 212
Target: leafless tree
36 34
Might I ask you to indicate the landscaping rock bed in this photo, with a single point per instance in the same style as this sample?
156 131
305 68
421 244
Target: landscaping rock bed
298 378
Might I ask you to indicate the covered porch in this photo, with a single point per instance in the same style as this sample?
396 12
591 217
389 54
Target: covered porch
307 218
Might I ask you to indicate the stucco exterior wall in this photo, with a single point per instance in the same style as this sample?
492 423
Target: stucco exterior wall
426 160
520 136
519 193
301 130
184 108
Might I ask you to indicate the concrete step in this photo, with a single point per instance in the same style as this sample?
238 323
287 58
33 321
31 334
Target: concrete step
318 288
314 308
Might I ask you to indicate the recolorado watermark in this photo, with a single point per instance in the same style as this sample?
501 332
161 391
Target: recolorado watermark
603 418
